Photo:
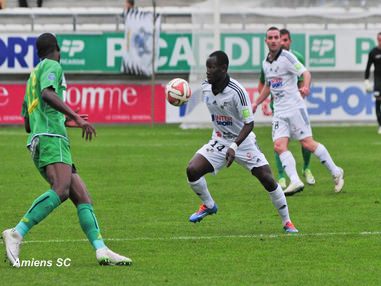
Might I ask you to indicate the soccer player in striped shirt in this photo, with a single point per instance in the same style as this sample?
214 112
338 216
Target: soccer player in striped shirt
268 109
290 119
232 140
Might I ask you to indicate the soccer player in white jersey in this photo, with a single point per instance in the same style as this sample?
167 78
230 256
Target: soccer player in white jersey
232 140
290 118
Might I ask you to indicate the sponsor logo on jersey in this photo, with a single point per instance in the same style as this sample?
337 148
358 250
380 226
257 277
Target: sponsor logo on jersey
51 76
222 120
276 82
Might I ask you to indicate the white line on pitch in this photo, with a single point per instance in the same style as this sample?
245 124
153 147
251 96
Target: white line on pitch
364 233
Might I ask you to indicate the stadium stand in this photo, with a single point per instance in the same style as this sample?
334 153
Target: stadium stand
176 15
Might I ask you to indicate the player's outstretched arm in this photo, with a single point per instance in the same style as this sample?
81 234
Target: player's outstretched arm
230 153
51 98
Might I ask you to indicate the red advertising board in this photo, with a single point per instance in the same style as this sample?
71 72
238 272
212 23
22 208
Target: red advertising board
105 103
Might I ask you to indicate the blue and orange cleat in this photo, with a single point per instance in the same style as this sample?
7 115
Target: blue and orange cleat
202 212
290 228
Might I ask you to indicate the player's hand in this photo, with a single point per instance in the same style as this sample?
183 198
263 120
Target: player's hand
88 130
230 155
368 86
266 107
304 91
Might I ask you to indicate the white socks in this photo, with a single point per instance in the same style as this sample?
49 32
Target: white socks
289 166
279 201
201 189
322 153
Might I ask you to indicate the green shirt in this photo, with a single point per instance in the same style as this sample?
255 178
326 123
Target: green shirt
262 75
43 119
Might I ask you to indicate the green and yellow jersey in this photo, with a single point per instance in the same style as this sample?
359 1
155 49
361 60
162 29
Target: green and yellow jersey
43 119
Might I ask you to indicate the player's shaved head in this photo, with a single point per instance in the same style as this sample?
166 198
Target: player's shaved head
46 44
222 58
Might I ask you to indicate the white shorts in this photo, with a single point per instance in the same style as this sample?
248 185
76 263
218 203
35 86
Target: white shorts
294 125
247 155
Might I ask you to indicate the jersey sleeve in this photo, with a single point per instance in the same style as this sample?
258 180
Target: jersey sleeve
243 104
300 58
51 76
294 65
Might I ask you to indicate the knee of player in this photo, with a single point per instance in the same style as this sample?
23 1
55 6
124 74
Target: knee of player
279 147
192 173
309 144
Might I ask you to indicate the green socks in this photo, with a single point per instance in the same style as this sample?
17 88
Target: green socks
279 166
39 210
89 225
46 203
306 158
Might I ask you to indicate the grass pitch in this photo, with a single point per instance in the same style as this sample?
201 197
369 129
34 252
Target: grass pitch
136 175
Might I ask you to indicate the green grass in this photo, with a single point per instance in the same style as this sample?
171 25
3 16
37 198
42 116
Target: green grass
136 175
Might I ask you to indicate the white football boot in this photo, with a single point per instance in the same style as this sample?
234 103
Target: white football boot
339 181
294 188
106 256
12 242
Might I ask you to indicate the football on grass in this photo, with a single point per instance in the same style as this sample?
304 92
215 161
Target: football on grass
178 91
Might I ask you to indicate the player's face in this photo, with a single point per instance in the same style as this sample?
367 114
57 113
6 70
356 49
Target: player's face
285 42
273 40
214 71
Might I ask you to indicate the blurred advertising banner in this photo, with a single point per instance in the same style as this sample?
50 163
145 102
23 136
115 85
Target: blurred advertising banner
104 52
138 49
105 103
329 102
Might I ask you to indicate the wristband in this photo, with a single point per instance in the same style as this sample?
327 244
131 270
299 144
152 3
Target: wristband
234 146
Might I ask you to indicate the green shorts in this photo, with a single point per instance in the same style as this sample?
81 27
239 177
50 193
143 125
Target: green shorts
48 150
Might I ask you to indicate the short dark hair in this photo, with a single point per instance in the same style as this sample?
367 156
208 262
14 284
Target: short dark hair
272 28
222 58
46 43
285 32
132 2
379 34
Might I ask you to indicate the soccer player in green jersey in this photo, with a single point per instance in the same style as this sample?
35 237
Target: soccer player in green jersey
46 115
268 109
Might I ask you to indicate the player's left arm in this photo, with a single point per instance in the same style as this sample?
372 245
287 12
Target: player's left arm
25 115
305 88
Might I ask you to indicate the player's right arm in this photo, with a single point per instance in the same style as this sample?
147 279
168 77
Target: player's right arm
263 95
50 97
265 104
368 87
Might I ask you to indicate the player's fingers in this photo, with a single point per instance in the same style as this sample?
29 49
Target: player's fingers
230 161
83 132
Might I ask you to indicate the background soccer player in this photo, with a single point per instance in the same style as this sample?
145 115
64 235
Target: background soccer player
285 40
232 140
374 58
290 120
44 113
